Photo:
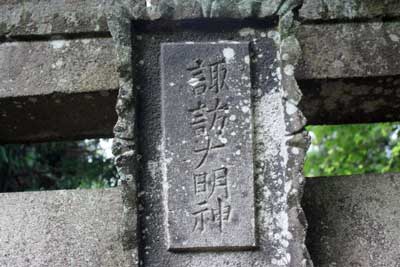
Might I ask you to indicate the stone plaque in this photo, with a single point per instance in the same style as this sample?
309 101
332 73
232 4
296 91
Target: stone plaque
207 145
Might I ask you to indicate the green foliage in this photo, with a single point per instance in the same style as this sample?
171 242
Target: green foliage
353 149
55 165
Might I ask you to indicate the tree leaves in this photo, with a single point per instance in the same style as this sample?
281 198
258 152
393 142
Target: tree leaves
55 165
353 149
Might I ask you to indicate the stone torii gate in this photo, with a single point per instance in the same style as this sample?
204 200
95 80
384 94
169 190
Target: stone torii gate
209 135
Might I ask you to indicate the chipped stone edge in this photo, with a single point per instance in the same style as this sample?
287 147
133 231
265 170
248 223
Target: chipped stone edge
124 143
119 18
297 138
196 9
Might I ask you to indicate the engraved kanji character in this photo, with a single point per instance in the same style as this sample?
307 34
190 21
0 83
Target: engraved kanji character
205 77
217 75
198 77
199 119
200 180
202 215
205 215
223 213
208 123
220 180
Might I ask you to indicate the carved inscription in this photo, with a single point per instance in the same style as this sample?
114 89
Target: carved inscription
207 145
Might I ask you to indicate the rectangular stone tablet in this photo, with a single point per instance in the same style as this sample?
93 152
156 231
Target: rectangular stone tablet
208 146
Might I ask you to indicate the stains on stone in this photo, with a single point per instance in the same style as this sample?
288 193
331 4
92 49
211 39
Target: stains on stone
282 173
348 9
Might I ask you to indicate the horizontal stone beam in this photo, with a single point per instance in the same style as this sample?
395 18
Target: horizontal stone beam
350 218
322 10
349 50
60 89
353 100
355 80
360 50
53 17
57 116
62 228
353 220
44 17
350 72
58 66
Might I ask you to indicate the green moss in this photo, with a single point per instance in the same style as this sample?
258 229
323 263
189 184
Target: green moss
3 28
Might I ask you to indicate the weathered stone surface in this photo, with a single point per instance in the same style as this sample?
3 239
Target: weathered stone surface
58 66
348 9
359 50
19 19
278 152
62 228
89 65
43 17
80 75
42 67
208 145
189 9
353 220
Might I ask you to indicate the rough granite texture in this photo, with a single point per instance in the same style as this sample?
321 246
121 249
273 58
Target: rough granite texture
359 50
208 145
353 220
44 17
21 19
280 143
349 9
58 66
54 83
90 65
61 228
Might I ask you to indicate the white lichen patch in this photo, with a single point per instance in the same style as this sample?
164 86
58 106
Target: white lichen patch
246 32
285 56
338 64
149 4
289 70
245 109
229 54
377 25
295 151
290 108
86 41
223 140
59 63
274 35
57 44
247 60
394 38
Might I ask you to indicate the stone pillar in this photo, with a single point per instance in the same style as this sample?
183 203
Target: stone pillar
209 142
